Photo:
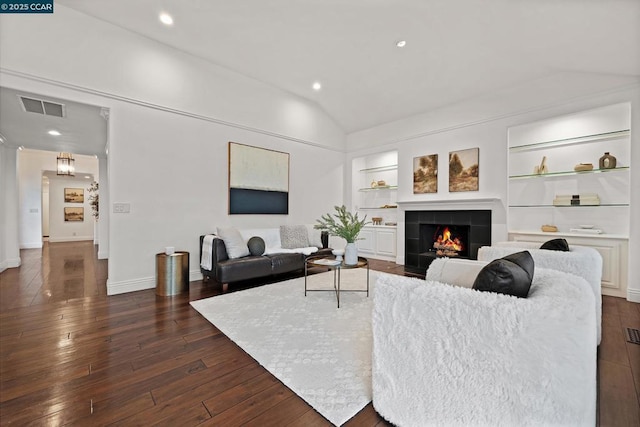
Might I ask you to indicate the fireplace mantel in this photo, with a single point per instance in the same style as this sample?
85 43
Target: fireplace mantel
475 203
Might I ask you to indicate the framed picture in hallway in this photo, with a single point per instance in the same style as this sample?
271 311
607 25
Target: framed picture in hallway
258 180
74 195
463 170
73 214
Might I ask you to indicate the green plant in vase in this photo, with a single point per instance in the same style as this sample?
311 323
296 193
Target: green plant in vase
346 225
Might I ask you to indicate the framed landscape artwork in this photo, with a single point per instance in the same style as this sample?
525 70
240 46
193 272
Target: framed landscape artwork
258 180
74 214
74 195
425 174
463 170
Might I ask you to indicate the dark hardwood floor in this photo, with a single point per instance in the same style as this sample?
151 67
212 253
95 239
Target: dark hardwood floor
70 355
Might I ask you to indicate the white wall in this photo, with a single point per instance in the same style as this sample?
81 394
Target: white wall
67 231
102 234
31 165
9 249
172 170
171 118
462 126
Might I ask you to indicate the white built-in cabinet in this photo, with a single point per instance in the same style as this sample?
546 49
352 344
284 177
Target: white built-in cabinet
378 242
565 142
374 195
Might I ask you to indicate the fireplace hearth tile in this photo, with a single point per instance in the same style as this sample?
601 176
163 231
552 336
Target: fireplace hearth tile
419 253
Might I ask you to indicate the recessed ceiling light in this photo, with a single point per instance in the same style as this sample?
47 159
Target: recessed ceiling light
316 86
401 43
166 19
21 147
54 133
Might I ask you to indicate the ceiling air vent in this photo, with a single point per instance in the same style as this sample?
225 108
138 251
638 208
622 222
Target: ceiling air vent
32 105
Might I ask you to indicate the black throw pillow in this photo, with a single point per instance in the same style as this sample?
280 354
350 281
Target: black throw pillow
511 275
556 245
524 260
256 246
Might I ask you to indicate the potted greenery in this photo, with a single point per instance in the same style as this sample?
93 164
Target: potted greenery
94 199
346 225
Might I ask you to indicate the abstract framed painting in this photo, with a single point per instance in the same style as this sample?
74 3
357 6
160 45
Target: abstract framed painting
425 174
463 170
258 180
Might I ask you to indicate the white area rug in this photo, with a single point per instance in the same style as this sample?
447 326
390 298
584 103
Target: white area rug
321 352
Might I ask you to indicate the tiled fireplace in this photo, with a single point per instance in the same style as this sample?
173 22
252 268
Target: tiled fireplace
453 233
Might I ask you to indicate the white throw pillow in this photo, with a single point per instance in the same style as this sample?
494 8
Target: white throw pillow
294 236
236 245
456 271
315 236
271 236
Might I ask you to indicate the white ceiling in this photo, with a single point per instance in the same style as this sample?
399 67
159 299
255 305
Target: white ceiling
456 50
83 130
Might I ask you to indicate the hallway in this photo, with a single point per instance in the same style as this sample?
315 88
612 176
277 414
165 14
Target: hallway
56 273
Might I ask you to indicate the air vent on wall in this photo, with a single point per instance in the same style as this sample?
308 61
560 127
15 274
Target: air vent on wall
39 106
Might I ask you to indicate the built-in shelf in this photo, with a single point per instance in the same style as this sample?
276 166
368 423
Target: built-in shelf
566 173
378 208
448 201
380 168
551 234
602 205
382 187
570 141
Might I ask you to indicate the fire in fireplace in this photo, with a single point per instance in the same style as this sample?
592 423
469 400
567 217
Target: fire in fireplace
450 240
447 244
422 228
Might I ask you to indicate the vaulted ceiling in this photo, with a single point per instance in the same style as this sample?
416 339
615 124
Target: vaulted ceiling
456 50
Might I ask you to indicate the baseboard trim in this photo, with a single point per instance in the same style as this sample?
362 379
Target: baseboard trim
195 275
103 254
115 288
633 295
32 245
10 263
69 239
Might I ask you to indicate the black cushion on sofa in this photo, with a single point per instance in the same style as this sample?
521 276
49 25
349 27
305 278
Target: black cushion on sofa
556 245
511 275
524 260
256 246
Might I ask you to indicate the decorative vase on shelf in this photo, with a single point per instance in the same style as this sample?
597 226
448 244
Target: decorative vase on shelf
351 254
607 161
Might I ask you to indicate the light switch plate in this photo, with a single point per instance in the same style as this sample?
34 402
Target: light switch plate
121 207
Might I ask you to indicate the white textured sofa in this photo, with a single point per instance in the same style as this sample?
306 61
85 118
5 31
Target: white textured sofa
580 260
445 355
